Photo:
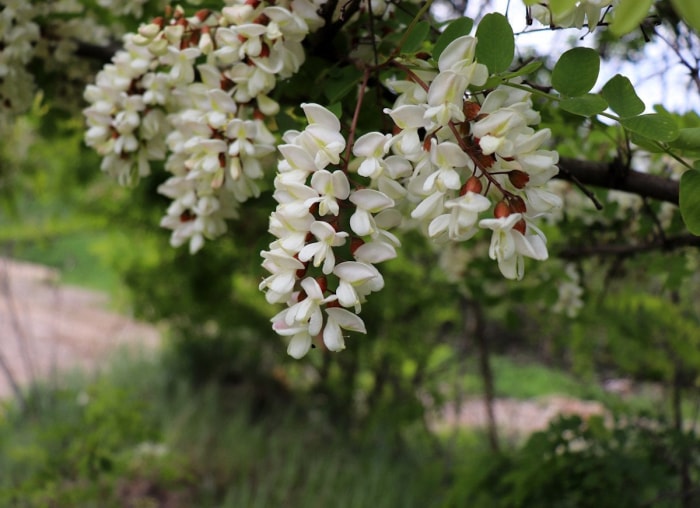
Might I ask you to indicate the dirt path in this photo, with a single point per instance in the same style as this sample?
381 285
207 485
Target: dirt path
46 327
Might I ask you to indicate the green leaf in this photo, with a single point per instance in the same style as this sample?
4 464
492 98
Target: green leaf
689 10
622 98
524 70
458 28
561 6
576 71
341 82
654 126
646 143
688 139
415 39
690 200
496 44
584 105
628 14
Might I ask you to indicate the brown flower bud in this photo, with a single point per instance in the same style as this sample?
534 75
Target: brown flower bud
518 178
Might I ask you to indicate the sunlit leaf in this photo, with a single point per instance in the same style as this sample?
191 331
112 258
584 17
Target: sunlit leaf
576 71
653 126
689 10
622 98
524 70
628 14
584 105
561 6
496 45
688 139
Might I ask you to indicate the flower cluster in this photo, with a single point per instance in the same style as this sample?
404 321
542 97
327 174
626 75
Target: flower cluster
456 163
583 12
569 291
466 153
195 89
329 234
19 34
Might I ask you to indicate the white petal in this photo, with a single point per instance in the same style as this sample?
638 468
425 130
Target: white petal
371 200
375 252
333 337
462 48
299 345
346 319
439 225
319 115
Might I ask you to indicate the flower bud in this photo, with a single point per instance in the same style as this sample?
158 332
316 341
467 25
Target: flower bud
517 204
501 210
471 110
151 30
518 178
473 184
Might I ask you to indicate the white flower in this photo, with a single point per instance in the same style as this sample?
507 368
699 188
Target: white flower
446 98
340 318
459 223
372 147
331 187
508 245
322 138
356 280
283 268
368 201
307 312
445 157
322 250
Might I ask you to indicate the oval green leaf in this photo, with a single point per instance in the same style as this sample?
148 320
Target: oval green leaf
622 98
628 14
496 44
524 70
576 71
689 200
689 10
585 105
688 139
415 39
457 28
561 6
654 126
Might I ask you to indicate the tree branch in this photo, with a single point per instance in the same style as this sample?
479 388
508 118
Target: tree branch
102 54
612 175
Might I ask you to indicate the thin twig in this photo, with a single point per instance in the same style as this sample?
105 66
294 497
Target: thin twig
598 205
355 116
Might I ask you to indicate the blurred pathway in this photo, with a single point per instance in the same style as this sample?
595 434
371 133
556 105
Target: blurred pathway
46 328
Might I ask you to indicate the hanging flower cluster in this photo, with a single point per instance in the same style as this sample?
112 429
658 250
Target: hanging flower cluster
473 153
584 12
329 234
457 162
195 89
18 36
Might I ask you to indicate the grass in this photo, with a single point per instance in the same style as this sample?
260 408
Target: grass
134 435
524 380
